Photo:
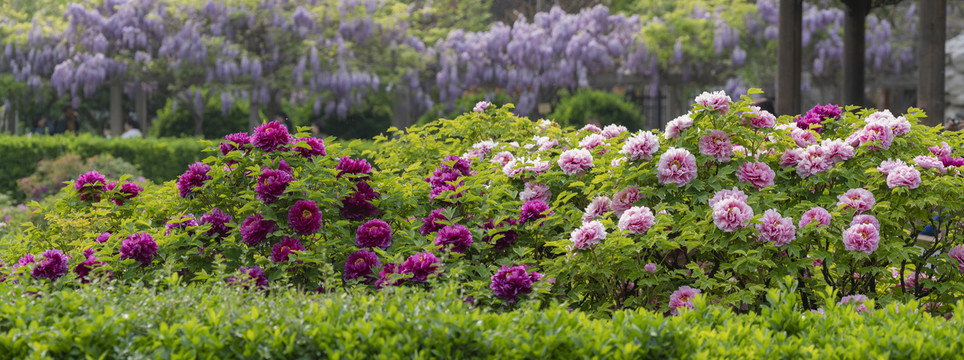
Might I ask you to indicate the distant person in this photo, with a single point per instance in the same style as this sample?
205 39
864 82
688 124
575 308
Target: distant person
68 122
41 127
955 123
766 103
130 130
283 119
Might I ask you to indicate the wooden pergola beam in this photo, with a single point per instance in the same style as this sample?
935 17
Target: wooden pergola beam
930 86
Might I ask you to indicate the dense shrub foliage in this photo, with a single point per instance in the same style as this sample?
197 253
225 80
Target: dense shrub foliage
202 322
721 204
607 108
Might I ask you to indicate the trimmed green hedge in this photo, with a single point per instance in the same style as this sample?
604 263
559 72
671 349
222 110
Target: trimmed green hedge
158 159
213 322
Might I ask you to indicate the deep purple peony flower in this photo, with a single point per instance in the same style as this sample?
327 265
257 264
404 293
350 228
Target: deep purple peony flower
219 223
316 147
430 224
359 265
281 250
304 217
533 210
271 184
384 276
140 247
126 192
420 266
249 276
255 229
356 207
195 176
510 282
347 165
234 142
103 237
184 222
89 264
52 265
502 238
456 235
90 185
374 233
271 136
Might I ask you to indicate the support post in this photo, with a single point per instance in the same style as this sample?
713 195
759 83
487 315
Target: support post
855 22
789 52
116 108
930 85
140 107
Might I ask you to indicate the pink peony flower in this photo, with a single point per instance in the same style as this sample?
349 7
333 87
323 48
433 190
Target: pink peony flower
779 230
676 126
717 100
888 165
271 136
790 158
575 160
858 300
731 214
650 268
676 166
957 253
374 233
728 194
818 214
813 161
716 144
304 217
535 191
903 176
866 219
682 298
287 246
624 199
940 151
613 130
588 235
502 158
760 118
591 141
898 125
597 207
637 220
836 150
803 138
877 136
930 162
757 174
481 106
861 237
641 146
859 199
591 128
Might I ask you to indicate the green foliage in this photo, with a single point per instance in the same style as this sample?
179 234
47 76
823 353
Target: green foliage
608 108
212 322
463 104
176 120
51 175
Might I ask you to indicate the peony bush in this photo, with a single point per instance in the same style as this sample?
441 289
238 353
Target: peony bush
722 203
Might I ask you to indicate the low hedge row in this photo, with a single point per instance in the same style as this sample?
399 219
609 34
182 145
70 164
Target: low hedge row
205 321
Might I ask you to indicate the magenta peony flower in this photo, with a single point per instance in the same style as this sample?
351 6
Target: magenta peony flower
861 237
304 217
650 268
624 199
760 118
420 266
957 253
535 191
803 138
234 142
85 267
360 265
930 162
779 230
481 106
676 166
682 298
818 214
640 146
592 141
510 282
372 234
717 100
859 199
103 237
952 161
52 265
728 194
281 250
219 223
636 220
347 165
790 158
757 174
903 176
940 151
588 235
456 235
126 192
194 177
316 147
255 229
717 144
731 214
90 185
250 276
430 224
599 206
866 219
140 247
533 210
676 126
184 222
836 150
271 136
575 160
272 184
384 276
